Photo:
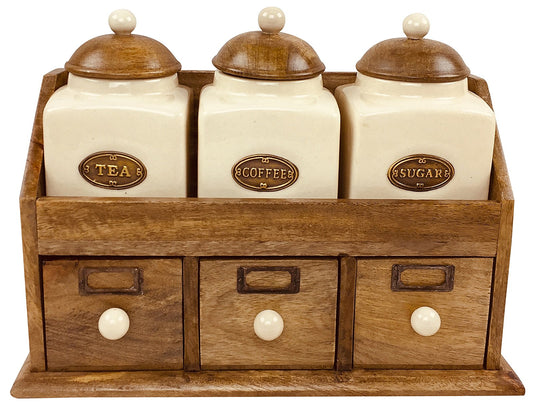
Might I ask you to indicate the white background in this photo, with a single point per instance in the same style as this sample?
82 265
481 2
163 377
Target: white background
493 37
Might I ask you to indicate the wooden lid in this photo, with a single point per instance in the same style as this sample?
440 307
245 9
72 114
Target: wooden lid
269 54
413 59
122 55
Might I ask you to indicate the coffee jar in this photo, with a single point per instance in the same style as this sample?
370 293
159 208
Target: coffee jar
410 127
119 127
267 127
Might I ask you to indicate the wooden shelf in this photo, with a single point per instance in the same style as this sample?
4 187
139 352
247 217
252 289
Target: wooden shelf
194 228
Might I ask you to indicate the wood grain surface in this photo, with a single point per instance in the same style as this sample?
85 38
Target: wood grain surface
345 316
154 340
420 61
119 57
501 191
383 334
191 315
268 56
33 188
268 383
227 338
207 227
499 286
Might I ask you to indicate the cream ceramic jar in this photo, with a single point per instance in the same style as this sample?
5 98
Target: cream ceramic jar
119 127
410 127
267 128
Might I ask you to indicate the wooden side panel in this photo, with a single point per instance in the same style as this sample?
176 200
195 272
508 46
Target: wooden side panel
32 188
32 185
384 337
345 316
154 339
479 86
500 190
499 286
500 186
227 337
32 277
207 227
191 325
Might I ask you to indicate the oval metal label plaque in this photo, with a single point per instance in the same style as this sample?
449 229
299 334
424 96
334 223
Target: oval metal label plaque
421 172
112 170
264 173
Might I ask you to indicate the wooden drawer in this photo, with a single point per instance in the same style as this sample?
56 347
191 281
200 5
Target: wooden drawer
384 336
77 292
234 291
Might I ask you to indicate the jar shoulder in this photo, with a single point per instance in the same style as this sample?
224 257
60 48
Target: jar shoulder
68 99
214 101
354 101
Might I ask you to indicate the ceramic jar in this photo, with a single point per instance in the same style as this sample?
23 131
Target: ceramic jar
267 128
410 127
119 126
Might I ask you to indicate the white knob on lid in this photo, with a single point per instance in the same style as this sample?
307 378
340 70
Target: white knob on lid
268 325
114 323
271 20
425 321
416 26
122 22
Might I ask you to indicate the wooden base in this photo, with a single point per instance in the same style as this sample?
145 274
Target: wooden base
267 383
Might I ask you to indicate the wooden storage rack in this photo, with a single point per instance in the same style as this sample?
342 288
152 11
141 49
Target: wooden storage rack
192 228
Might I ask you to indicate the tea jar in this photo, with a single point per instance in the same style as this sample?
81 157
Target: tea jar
119 126
267 127
410 127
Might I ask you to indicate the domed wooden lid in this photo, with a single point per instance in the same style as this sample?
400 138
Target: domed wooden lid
413 59
122 55
269 54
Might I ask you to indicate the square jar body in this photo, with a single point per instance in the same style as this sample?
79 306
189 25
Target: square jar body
380 131
300 129
149 127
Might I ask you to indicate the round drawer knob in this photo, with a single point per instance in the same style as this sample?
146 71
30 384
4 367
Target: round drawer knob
425 321
114 323
268 325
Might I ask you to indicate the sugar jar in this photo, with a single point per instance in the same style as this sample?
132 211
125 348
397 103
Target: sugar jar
119 126
410 127
267 127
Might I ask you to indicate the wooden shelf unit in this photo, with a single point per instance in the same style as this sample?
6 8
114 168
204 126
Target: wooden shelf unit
193 229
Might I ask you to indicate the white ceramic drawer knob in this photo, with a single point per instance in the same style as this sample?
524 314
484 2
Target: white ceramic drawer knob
114 323
425 321
268 325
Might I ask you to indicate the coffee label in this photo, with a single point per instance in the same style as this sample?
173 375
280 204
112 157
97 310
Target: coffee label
264 173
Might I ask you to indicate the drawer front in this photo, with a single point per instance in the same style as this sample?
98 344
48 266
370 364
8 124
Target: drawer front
303 292
78 292
388 291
